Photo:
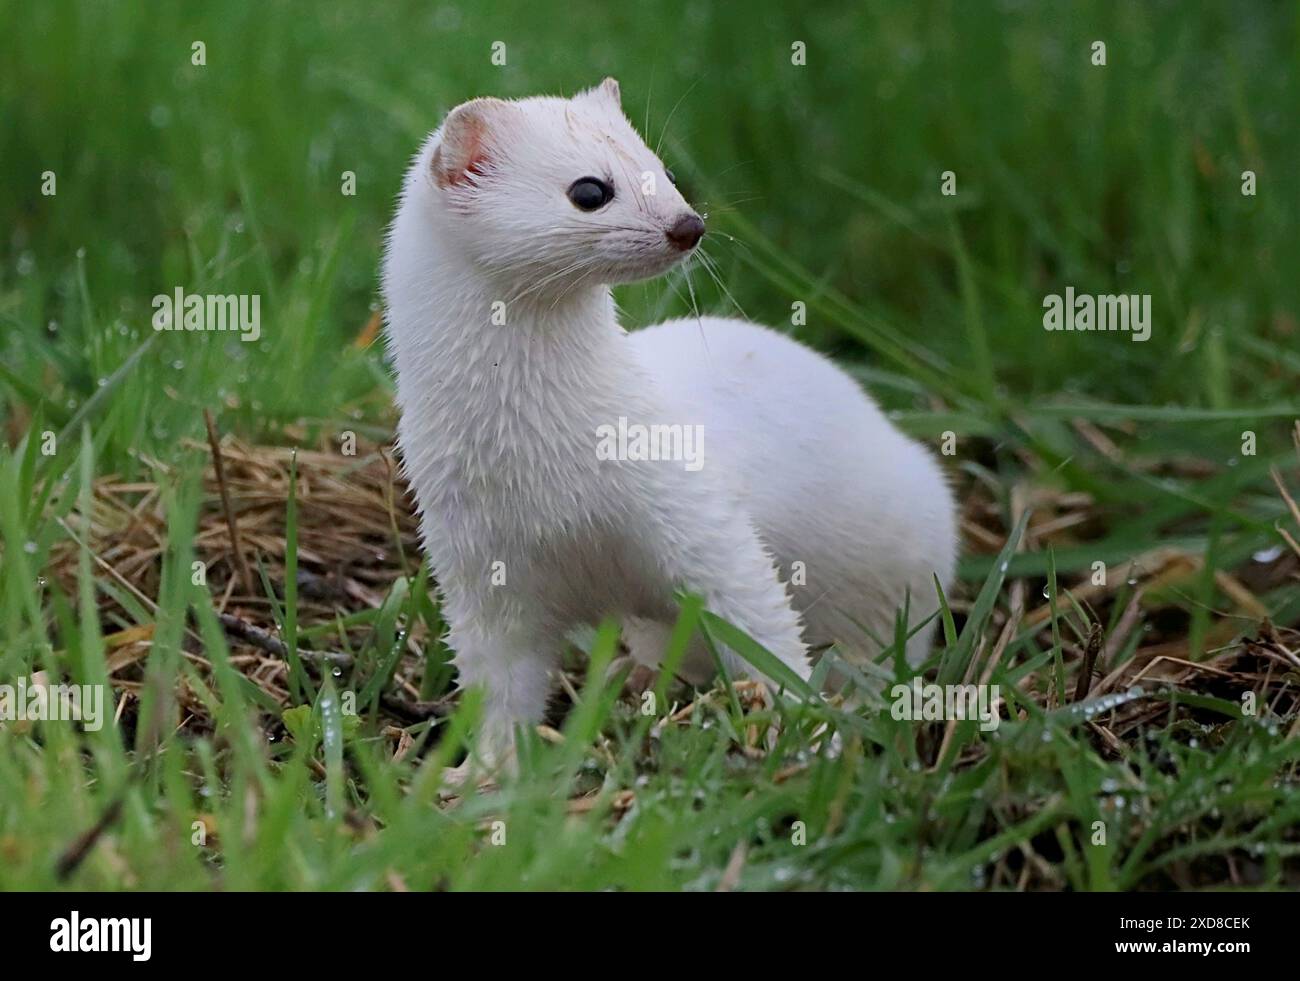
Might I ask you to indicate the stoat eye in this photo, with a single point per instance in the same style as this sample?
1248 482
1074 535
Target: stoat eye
590 193
672 178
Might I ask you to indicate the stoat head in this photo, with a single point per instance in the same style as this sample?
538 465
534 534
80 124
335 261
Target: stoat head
550 193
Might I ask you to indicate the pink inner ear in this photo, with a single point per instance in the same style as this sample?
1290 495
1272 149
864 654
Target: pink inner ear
467 159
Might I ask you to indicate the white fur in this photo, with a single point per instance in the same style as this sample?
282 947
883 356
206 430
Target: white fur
498 424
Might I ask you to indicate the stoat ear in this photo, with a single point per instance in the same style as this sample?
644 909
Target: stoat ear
609 89
471 131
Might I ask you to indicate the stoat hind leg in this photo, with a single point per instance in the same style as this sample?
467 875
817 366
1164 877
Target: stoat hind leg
728 566
647 644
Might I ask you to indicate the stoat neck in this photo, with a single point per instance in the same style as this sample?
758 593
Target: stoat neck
477 345
495 395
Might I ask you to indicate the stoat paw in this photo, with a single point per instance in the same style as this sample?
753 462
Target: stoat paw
640 678
460 781
478 775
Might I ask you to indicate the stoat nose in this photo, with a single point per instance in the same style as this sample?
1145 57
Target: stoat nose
686 232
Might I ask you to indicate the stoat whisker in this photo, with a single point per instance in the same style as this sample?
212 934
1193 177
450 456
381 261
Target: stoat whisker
664 132
710 267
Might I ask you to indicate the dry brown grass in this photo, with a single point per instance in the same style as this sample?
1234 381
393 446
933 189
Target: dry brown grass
357 534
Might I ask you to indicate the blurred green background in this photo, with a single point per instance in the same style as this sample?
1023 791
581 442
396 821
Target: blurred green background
226 178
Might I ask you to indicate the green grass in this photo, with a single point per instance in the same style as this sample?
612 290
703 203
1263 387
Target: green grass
822 185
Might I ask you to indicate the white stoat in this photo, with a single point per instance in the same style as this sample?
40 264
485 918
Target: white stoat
514 220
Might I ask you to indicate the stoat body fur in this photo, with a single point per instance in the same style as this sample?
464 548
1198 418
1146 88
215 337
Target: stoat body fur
808 518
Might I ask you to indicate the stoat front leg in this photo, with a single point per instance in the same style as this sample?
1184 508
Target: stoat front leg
511 662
